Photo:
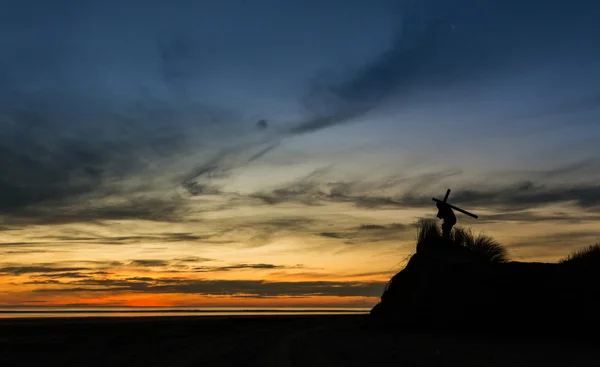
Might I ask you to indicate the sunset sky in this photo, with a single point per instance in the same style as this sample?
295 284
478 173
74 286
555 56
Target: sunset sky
278 153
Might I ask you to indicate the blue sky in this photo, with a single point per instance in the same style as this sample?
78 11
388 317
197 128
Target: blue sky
121 117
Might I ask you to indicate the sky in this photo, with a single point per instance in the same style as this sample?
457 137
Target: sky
278 153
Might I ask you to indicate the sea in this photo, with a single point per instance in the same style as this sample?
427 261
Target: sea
71 312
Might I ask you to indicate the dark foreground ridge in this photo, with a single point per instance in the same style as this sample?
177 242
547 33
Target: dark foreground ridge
467 283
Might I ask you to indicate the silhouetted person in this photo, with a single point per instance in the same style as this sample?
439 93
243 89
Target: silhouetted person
447 214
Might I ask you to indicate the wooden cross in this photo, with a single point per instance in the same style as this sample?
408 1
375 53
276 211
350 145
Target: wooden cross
453 207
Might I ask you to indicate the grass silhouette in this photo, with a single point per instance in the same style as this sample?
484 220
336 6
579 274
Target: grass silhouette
458 282
584 257
483 248
486 249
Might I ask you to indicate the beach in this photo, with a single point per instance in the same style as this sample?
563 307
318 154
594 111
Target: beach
283 340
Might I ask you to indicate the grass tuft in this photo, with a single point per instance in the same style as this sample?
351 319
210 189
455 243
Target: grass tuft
483 247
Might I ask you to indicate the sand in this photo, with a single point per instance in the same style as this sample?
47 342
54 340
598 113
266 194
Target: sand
267 341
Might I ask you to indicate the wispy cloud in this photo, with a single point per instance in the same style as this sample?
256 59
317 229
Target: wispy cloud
410 193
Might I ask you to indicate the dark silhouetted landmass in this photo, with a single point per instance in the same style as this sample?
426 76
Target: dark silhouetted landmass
468 283
266 341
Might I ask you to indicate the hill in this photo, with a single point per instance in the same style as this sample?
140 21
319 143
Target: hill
467 282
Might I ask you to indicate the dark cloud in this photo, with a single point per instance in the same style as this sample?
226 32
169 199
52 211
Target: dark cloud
193 259
258 230
84 290
43 282
163 237
332 235
71 159
20 244
20 252
196 189
108 263
262 124
252 266
517 197
316 189
370 233
244 267
66 149
370 227
62 269
441 48
96 268
529 195
314 193
447 44
254 288
398 69
37 172
140 279
263 152
71 274
62 212
197 181
46 174
69 156
526 216
20 270
149 263
376 227
70 238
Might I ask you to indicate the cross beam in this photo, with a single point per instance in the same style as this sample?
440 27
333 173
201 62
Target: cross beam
453 207
447 194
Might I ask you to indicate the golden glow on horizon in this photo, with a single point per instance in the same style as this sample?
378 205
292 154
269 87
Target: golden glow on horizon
116 263
190 300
